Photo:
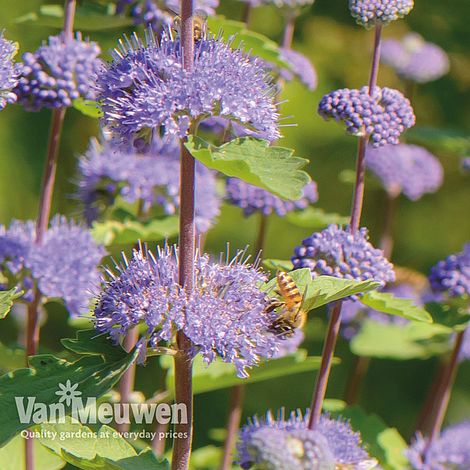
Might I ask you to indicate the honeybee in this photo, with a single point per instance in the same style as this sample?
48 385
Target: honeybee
200 29
363 465
291 315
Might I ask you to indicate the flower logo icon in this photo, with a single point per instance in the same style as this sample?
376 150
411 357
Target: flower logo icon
68 392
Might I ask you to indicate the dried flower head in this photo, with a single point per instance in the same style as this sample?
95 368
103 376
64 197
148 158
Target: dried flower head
223 315
450 450
146 89
106 171
58 73
383 116
339 253
9 71
407 169
258 441
415 59
369 13
252 199
452 275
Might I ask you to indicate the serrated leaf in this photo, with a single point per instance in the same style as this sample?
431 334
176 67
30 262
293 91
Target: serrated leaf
315 218
278 264
251 42
88 108
87 18
7 297
254 161
107 451
220 375
95 375
12 456
444 140
399 342
382 442
113 232
386 302
452 317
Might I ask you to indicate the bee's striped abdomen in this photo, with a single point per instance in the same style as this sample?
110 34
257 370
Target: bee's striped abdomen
289 290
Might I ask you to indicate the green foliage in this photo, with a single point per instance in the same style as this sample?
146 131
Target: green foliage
323 289
12 456
11 358
103 449
278 264
251 42
88 108
388 303
452 316
254 161
220 375
87 18
443 140
349 177
315 219
7 297
95 373
113 232
384 443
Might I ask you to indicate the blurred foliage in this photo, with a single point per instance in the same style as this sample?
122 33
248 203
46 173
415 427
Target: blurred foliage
425 231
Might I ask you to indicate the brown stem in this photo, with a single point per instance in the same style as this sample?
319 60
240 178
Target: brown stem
386 242
356 378
261 236
444 390
233 423
246 17
288 36
358 196
158 444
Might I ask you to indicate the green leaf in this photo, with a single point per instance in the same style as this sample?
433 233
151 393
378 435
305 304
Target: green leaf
278 264
94 374
7 297
103 449
219 375
387 303
443 140
113 232
384 443
87 18
399 342
451 317
254 161
12 456
315 218
88 107
253 43
323 289
206 458
11 358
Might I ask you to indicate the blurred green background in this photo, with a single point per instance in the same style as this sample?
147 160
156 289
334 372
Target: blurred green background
426 231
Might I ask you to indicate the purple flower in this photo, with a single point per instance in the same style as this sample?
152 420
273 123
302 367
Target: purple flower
64 265
223 316
58 73
258 439
107 171
465 352
252 199
368 13
300 67
146 88
466 164
383 116
9 71
452 275
336 252
414 59
450 450
407 169
207 6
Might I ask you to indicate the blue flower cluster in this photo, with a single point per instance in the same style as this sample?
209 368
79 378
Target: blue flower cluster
64 265
368 13
300 66
339 253
452 275
9 71
146 87
450 450
252 199
58 73
224 315
106 171
383 116
407 169
332 443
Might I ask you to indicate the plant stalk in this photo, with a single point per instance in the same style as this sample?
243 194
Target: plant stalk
356 211
183 360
